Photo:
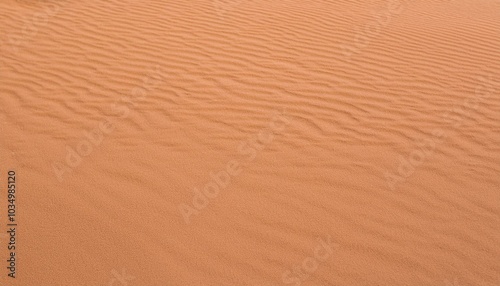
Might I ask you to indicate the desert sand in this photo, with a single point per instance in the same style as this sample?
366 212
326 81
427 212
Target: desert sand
250 142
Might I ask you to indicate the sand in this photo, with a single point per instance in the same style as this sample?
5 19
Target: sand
251 142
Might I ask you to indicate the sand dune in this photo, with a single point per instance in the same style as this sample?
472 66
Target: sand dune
251 142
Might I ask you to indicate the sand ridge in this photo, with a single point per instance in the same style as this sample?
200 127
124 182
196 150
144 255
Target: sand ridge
117 114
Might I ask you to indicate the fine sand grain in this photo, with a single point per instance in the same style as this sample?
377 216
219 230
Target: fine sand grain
251 142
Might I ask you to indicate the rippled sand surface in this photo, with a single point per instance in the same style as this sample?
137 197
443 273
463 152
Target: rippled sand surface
251 142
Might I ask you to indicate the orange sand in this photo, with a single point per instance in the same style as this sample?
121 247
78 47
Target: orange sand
251 142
